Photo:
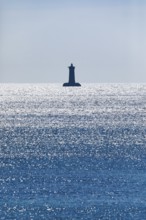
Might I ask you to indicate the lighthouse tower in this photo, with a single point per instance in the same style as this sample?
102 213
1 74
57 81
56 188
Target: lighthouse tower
71 74
71 77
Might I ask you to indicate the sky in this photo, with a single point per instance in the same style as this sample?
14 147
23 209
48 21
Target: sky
104 39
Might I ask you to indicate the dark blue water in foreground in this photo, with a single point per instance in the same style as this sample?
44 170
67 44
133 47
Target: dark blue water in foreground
73 153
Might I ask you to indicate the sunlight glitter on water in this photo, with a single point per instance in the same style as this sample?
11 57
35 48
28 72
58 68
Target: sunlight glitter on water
76 153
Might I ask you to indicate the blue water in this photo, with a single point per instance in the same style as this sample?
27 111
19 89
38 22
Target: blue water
73 153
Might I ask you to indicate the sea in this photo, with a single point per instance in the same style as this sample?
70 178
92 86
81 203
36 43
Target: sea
70 153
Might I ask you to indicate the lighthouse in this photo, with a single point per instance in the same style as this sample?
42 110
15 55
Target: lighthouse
71 81
71 74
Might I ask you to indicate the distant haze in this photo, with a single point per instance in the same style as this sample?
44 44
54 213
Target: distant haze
105 40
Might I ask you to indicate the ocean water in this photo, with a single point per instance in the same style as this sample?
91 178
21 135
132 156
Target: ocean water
73 153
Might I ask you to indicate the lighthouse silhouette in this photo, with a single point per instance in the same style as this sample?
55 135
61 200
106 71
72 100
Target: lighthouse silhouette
71 77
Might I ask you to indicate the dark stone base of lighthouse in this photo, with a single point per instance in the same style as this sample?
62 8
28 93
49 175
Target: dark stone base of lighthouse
71 77
70 84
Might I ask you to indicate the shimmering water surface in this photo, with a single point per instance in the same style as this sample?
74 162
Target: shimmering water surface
73 153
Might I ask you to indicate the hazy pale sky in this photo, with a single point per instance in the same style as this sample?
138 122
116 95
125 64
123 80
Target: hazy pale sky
104 39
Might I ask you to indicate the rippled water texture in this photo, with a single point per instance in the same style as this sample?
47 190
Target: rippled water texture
73 153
